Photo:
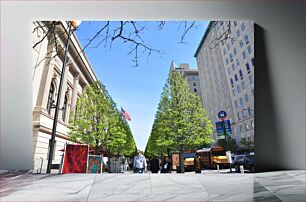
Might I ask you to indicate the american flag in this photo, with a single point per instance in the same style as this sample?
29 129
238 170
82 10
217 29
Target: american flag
125 114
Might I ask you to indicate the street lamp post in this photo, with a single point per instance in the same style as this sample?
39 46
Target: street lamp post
52 140
226 140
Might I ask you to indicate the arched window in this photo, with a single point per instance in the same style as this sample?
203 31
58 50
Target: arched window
65 107
50 98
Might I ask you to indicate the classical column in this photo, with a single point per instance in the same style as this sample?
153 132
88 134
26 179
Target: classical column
75 91
46 78
64 90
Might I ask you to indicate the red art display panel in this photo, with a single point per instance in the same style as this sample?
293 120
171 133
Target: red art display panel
75 159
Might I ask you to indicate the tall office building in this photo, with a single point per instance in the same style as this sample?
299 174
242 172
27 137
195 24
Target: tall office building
226 72
190 75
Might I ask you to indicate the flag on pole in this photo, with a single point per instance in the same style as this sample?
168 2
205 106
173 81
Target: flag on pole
125 114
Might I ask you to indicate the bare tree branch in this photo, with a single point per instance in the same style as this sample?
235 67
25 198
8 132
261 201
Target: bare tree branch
161 25
186 30
96 35
224 36
128 32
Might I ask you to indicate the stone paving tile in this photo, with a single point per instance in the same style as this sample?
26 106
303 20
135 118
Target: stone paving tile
46 197
121 184
178 184
272 186
292 197
151 197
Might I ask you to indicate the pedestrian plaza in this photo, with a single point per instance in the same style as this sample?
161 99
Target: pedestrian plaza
207 186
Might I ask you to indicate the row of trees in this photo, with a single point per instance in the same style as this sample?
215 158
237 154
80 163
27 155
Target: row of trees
97 122
180 122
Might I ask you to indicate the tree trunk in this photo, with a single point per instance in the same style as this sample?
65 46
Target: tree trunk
96 149
182 169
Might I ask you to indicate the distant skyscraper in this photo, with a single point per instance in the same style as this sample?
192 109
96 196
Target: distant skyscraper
226 73
190 75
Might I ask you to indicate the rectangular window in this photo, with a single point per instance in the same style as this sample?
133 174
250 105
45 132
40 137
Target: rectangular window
241 102
232 82
251 79
248 68
249 49
249 110
233 66
253 62
237 62
238 89
244 114
242 26
244 55
241 44
241 74
246 97
246 38
238 33
236 77
242 129
243 85
235 51
231 57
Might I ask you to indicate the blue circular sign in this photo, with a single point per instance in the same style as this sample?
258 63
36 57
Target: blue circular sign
222 114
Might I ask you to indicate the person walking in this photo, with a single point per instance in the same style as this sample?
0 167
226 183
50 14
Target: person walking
154 165
139 164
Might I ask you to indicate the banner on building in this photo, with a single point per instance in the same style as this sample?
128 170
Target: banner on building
75 158
95 163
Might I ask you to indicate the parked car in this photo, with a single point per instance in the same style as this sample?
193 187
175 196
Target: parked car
245 160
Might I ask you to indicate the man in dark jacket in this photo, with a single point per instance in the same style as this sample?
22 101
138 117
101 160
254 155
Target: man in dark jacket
154 165
166 165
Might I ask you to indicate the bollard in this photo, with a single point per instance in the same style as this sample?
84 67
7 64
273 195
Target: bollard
241 169
218 168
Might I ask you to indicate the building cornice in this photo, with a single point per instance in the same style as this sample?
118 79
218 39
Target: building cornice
203 38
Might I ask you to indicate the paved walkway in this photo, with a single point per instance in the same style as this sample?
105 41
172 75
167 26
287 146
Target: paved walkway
270 186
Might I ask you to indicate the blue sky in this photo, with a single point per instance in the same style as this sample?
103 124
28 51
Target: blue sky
138 89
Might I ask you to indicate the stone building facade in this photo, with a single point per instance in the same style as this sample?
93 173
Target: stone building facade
226 72
47 68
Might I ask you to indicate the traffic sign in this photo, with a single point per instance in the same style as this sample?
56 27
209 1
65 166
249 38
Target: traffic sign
221 125
222 114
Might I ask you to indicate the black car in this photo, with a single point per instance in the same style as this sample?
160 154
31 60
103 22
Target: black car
245 160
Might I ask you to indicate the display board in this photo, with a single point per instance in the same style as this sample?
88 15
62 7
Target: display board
175 160
75 158
94 164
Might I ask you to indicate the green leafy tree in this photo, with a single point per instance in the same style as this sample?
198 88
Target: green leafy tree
246 145
181 122
90 120
97 122
233 147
